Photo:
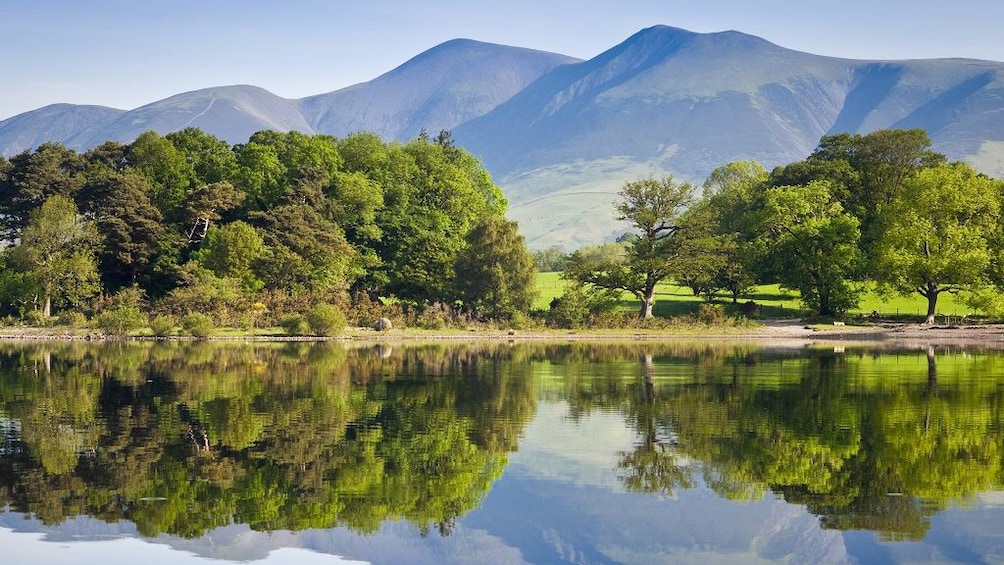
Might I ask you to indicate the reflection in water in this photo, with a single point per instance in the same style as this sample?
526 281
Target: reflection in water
187 438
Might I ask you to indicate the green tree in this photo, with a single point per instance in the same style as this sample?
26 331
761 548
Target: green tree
136 246
936 234
232 250
496 275
813 246
654 208
733 193
31 178
56 253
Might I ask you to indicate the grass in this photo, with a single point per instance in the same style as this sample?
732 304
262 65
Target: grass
775 302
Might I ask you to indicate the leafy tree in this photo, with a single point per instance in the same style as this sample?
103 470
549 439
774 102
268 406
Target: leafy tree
136 246
233 251
212 159
56 253
813 245
551 259
31 179
936 233
496 275
654 209
435 195
734 193
168 169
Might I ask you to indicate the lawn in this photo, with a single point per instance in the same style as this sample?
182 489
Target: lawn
774 302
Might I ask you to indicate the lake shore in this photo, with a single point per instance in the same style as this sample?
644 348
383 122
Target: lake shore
767 331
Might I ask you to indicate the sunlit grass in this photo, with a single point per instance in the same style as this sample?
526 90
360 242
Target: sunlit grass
774 302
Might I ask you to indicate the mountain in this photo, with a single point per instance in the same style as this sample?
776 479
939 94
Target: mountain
561 135
57 122
231 113
447 85
669 100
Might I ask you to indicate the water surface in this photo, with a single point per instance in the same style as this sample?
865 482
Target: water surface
500 453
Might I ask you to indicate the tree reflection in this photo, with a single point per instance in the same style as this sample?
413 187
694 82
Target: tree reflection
182 438
877 441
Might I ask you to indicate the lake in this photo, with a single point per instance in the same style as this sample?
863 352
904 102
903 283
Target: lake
649 452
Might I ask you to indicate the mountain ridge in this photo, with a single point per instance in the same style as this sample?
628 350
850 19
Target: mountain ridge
561 135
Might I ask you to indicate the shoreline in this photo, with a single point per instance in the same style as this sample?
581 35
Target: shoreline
768 331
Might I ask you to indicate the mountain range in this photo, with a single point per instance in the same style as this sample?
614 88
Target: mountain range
561 135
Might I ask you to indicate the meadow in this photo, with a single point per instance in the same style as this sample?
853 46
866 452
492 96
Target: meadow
774 301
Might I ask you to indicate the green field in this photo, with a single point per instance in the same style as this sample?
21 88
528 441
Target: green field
774 302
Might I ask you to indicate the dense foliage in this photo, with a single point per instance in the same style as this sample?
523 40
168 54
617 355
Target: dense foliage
880 207
286 220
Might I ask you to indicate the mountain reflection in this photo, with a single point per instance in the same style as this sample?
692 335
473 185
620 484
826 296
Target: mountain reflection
183 438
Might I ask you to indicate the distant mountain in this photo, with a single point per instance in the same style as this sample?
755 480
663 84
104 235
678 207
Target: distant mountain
232 113
561 135
57 122
447 85
669 100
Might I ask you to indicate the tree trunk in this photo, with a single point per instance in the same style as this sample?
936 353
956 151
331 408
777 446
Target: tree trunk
647 302
932 305
47 306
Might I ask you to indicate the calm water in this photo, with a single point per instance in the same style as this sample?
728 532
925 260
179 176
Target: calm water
499 453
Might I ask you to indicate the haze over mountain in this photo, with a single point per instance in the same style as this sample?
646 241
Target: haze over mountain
561 136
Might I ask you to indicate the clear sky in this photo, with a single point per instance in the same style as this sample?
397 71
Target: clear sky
127 53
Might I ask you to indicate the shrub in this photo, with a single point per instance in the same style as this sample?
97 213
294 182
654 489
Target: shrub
120 320
326 320
73 319
749 309
436 316
294 324
197 324
162 325
710 314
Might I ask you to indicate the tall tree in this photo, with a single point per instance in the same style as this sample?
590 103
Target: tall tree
936 234
813 246
55 252
495 272
136 247
31 179
654 208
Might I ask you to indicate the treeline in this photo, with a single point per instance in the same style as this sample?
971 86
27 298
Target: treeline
187 225
880 209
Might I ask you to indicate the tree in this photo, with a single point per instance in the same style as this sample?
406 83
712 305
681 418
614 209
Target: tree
653 207
495 272
232 251
56 253
732 194
936 233
813 246
31 178
136 247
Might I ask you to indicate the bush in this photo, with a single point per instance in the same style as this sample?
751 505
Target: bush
73 319
326 320
750 309
294 324
162 325
436 316
197 324
710 314
120 320
579 306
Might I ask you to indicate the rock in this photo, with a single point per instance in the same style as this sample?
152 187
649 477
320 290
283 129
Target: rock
383 324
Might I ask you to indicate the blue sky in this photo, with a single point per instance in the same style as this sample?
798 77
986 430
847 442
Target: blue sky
126 53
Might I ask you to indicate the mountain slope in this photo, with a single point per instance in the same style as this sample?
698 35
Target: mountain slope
57 122
231 113
669 100
447 85
561 136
